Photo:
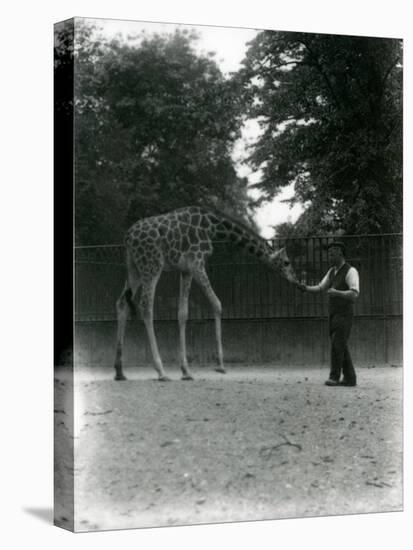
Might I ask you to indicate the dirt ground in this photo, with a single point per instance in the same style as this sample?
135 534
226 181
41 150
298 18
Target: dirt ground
256 443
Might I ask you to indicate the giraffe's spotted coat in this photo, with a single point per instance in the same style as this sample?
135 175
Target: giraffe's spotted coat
183 240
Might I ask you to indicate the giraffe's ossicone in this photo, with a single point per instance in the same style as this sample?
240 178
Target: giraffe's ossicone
183 240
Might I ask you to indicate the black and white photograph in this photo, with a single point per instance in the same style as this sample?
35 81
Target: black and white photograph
237 227
205 221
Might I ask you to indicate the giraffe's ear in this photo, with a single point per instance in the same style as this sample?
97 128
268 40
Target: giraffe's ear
276 254
280 254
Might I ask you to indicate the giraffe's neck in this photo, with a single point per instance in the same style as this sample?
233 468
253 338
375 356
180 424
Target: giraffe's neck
228 230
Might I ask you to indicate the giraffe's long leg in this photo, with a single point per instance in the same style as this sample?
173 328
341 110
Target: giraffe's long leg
185 286
124 306
202 279
146 306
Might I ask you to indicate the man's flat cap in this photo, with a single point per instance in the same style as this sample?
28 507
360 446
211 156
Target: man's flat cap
338 244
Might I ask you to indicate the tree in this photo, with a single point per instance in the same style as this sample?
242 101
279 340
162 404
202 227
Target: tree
155 128
330 109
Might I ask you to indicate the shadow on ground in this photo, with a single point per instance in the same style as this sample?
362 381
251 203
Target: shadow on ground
43 514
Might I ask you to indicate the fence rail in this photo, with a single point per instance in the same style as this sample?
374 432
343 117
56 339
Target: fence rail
248 289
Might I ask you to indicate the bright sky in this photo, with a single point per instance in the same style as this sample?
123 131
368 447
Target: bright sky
230 45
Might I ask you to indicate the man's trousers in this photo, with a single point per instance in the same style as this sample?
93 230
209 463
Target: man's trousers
340 327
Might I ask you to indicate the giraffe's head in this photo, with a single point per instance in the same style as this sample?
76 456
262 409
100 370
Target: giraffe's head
282 263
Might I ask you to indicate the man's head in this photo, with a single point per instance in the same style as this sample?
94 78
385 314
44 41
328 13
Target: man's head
336 252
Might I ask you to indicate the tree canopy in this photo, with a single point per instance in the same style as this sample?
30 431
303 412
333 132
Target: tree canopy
155 125
330 111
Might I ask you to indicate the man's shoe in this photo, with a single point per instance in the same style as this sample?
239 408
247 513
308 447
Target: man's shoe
331 382
346 383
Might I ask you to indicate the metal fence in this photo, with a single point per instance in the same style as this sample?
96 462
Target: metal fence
247 288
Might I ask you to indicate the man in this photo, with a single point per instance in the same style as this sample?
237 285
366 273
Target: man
341 283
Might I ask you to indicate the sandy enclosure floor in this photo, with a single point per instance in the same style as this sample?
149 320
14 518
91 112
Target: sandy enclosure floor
256 443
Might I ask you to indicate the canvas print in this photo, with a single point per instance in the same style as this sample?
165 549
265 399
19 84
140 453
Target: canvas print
228 274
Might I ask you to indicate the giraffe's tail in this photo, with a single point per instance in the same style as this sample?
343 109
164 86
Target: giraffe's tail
130 302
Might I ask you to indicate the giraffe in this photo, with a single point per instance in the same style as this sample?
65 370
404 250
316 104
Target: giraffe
182 240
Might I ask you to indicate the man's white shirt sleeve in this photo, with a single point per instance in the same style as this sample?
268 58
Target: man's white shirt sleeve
325 282
352 280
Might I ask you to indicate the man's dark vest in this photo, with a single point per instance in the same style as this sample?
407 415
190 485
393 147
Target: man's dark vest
338 281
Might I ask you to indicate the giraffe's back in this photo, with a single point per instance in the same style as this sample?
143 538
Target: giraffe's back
173 240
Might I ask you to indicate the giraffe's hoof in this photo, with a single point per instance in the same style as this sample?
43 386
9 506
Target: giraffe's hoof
164 379
221 370
187 377
120 377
